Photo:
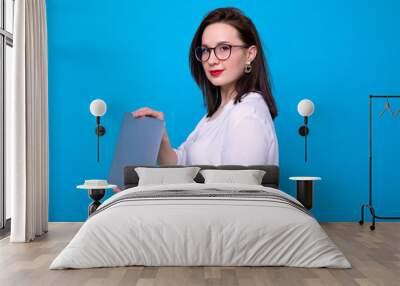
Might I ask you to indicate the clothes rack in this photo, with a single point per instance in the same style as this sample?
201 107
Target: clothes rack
369 205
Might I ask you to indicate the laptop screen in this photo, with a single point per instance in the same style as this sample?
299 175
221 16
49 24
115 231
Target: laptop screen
138 144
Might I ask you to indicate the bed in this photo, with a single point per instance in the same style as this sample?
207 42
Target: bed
201 224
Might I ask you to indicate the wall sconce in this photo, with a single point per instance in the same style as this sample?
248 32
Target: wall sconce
305 109
98 108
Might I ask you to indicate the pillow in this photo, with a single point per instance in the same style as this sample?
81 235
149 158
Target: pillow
249 177
161 176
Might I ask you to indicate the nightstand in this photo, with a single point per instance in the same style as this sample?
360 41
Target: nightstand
305 190
96 190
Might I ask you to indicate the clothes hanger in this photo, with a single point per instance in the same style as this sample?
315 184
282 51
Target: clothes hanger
387 107
397 113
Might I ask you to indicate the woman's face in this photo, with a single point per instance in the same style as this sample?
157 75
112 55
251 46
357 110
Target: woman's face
225 73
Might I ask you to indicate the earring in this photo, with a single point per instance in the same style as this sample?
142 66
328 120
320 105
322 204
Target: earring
247 68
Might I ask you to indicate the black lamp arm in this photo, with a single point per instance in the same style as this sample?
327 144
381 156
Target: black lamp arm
303 131
100 131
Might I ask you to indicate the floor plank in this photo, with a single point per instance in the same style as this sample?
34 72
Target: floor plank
374 255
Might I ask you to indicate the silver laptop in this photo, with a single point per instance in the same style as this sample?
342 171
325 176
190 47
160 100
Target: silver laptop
138 144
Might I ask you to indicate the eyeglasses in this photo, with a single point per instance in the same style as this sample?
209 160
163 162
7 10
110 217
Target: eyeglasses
221 51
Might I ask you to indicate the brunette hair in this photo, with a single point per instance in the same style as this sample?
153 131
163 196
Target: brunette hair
257 80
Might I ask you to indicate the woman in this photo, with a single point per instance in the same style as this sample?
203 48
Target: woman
227 62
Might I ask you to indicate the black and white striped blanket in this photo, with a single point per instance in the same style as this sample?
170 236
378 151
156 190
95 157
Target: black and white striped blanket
205 194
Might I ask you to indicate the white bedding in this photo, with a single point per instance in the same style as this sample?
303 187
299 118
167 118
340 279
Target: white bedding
200 231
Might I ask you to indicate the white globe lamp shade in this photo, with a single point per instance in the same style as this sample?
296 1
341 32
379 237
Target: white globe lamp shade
98 107
305 107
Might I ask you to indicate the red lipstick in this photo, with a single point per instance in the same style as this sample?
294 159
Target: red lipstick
216 73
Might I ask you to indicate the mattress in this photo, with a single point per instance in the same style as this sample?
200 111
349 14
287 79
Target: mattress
201 225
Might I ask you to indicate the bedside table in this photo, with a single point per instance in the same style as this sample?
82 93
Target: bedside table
305 190
96 190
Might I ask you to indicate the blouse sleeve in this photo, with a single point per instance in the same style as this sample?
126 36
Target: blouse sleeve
250 140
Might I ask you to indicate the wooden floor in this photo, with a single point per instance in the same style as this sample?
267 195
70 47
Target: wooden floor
375 257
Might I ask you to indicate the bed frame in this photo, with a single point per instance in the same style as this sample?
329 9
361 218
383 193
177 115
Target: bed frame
270 179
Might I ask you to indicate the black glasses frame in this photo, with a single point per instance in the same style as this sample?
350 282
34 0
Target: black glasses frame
199 50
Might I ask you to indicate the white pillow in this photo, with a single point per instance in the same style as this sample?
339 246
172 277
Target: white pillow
161 176
249 177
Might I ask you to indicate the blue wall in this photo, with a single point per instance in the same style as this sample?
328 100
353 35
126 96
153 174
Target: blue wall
135 53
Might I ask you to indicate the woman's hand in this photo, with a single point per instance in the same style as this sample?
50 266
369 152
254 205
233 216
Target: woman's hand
166 155
145 111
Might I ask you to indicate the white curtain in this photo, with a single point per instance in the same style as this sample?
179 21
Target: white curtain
27 124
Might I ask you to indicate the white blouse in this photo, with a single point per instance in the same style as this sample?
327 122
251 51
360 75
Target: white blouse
242 134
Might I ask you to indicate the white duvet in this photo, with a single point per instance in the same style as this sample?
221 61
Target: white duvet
200 231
